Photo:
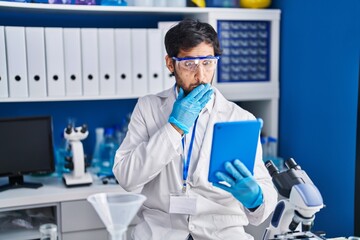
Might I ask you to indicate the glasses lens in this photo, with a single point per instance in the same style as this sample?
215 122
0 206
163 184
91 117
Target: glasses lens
208 64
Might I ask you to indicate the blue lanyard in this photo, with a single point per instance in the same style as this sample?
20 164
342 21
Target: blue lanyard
187 160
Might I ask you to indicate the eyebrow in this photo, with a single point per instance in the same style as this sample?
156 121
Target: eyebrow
187 56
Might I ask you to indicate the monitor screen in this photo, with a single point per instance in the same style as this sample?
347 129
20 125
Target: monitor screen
26 147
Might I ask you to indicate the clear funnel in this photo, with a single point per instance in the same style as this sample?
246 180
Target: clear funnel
116 210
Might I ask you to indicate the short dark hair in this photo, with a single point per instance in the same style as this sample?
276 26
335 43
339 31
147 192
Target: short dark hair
188 34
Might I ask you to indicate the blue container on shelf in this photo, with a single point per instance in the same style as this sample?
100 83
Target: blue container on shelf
113 3
222 3
85 2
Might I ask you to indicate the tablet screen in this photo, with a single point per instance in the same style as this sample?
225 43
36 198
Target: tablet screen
234 140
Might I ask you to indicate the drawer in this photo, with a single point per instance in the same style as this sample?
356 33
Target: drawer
78 216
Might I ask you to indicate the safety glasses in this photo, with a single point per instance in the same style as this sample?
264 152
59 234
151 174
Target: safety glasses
192 63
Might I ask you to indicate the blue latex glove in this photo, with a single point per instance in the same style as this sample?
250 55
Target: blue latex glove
187 109
243 186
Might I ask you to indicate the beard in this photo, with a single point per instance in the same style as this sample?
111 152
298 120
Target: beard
180 83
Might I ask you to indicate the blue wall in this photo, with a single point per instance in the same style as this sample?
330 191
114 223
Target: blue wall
93 113
319 67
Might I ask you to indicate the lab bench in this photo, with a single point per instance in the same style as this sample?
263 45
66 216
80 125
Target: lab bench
67 207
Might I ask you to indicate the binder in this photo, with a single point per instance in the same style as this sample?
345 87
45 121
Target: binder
35 50
139 61
54 52
107 61
4 93
16 58
156 60
123 61
72 62
90 61
169 79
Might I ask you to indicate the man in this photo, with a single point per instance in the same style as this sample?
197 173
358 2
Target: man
166 151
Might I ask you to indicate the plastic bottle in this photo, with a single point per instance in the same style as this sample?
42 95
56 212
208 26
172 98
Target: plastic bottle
108 149
222 3
48 231
270 153
143 3
99 136
176 3
114 3
61 152
119 134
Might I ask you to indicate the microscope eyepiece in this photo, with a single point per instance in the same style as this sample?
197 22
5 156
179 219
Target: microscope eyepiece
83 128
290 163
272 169
68 129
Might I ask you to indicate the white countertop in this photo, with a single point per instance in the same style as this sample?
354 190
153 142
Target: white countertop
52 191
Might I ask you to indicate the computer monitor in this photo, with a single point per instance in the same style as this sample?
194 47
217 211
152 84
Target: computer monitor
26 147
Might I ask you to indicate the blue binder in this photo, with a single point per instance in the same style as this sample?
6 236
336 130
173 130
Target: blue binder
234 140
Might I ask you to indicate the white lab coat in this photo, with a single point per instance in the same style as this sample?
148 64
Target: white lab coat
150 158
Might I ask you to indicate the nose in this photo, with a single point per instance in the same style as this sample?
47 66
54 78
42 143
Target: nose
200 74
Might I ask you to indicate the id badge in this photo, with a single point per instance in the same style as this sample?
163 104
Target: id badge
182 204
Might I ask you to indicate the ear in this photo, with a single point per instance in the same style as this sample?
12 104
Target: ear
169 63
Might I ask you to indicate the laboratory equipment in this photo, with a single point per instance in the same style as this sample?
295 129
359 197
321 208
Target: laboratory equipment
222 3
62 151
116 210
269 145
294 215
95 163
26 147
78 176
107 152
48 231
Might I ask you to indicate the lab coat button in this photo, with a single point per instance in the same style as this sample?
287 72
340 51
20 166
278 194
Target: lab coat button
191 227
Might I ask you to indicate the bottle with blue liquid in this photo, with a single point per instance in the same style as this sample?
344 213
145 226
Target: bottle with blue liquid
95 162
61 153
107 152
113 3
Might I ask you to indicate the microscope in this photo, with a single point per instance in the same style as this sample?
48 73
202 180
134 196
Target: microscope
76 162
294 215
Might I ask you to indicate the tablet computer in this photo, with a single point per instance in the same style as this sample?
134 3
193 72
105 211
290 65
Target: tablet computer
234 140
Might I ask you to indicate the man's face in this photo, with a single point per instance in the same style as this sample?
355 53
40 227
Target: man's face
189 79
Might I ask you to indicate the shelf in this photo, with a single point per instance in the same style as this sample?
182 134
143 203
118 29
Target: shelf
67 98
129 9
246 93
20 234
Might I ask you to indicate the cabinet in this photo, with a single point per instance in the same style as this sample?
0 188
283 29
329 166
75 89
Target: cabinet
67 207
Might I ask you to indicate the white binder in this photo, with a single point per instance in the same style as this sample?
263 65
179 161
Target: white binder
16 58
107 61
169 79
156 60
90 61
123 61
4 93
54 46
35 50
139 61
72 61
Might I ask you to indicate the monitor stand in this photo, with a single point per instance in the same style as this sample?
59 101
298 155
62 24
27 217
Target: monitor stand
18 182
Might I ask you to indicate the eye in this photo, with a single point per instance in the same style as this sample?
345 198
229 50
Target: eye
207 62
189 63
